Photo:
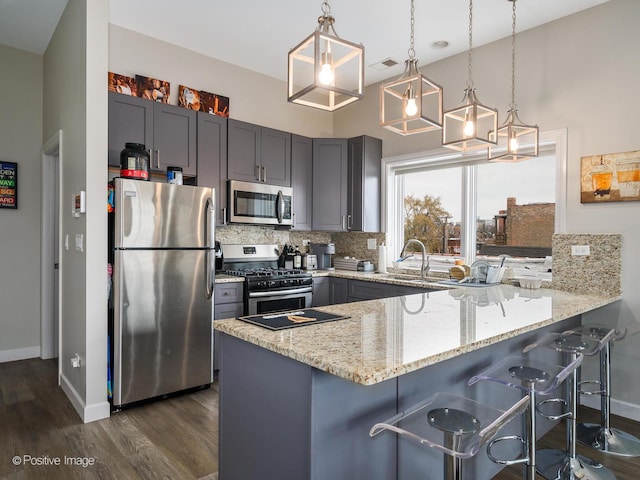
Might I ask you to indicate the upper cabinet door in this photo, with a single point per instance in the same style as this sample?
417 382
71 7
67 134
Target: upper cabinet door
212 159
174 138
329 184
302 181
364 180
130 121
244 150
275 158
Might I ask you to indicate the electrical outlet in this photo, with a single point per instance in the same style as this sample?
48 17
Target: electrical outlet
305 243
371 243
580 250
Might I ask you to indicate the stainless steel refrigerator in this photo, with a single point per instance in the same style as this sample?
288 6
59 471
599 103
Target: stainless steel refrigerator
163 278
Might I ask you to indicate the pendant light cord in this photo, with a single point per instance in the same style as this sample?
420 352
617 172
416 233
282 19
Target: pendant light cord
412 51
513 57
470 70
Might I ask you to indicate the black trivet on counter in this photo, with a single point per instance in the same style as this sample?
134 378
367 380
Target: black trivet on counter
293 318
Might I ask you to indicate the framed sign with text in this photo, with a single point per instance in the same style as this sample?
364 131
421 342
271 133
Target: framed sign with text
8 185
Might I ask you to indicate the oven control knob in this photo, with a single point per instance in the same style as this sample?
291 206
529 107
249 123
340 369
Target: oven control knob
272 283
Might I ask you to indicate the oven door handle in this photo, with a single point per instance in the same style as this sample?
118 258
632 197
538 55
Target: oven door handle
272 293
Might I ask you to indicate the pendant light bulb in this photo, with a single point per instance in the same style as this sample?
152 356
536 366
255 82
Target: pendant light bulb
411 108
326 75
469 128
513 144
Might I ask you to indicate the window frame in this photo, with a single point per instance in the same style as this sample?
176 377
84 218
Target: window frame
392 194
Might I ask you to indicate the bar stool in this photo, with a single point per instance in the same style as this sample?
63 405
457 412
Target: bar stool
532 378
454 425
566 464
601 436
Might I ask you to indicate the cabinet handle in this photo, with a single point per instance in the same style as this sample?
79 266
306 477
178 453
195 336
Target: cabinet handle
349 222
224 216
259 172
344 222
158 159
264 174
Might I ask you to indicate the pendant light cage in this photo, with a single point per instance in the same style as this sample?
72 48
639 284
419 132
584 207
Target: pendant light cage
323 53
468 127
411 103
515 140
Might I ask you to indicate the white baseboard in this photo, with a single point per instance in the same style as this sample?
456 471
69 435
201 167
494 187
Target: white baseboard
88 413
618 407
19 354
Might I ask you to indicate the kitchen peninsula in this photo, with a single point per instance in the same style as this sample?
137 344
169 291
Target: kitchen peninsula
298 403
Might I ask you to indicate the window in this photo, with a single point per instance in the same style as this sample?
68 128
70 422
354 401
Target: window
462 206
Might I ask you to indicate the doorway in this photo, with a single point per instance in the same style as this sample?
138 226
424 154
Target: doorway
50 245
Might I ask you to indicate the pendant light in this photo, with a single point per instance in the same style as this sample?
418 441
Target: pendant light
516 141
325 71
468 127
412 103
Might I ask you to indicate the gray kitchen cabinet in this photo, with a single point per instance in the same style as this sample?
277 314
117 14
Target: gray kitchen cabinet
130 121
228 300
361 290
167 131
174 138
302 181
212 159
339 288
363 199
330 159
399 290
258 154
321 291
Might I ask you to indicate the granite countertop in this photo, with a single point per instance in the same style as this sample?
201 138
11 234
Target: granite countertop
389 337
224 278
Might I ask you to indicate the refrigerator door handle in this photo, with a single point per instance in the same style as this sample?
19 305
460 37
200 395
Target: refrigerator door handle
209 268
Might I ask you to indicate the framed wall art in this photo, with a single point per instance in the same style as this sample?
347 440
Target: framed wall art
188 98
122 84
614 177
8 185
214 104
153 89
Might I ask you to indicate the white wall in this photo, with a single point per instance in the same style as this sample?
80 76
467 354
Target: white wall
75 101
20 142
579 72
253 97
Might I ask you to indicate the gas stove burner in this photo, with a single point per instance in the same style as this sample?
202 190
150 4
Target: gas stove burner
266 272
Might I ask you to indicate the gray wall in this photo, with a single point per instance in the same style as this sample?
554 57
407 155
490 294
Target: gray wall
75 101
20 142
578 73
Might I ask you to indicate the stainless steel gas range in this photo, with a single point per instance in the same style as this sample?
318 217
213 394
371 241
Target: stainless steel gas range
267 287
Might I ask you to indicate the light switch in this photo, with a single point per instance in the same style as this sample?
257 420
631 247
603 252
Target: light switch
79 242
66 241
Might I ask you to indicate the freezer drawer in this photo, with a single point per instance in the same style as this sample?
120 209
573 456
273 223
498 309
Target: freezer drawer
162 322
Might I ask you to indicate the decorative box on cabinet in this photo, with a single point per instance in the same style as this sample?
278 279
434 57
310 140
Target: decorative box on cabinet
167 131
302 181
212 159
258 154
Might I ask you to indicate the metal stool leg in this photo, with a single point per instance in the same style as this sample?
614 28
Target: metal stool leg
567 465
602 437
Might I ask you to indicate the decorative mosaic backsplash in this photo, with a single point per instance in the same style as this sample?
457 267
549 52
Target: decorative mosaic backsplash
250 234
354 244
598 273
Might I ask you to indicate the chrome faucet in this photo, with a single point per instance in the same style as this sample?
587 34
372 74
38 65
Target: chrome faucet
424 270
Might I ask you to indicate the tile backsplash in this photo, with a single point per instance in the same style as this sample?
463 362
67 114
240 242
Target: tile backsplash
596 273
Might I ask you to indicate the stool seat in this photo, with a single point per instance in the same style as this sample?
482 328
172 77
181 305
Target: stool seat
454 425
602 436
567 465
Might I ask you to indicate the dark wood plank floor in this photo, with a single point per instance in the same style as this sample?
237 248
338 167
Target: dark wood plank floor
171 439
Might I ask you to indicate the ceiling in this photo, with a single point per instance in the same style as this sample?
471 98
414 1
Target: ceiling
257 34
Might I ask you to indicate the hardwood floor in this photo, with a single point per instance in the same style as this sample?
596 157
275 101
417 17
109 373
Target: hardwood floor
171 439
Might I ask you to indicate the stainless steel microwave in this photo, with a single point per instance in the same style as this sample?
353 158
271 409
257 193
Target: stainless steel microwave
259 203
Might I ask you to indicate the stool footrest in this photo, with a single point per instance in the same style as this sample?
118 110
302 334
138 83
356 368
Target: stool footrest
500 461
591 392
566 414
